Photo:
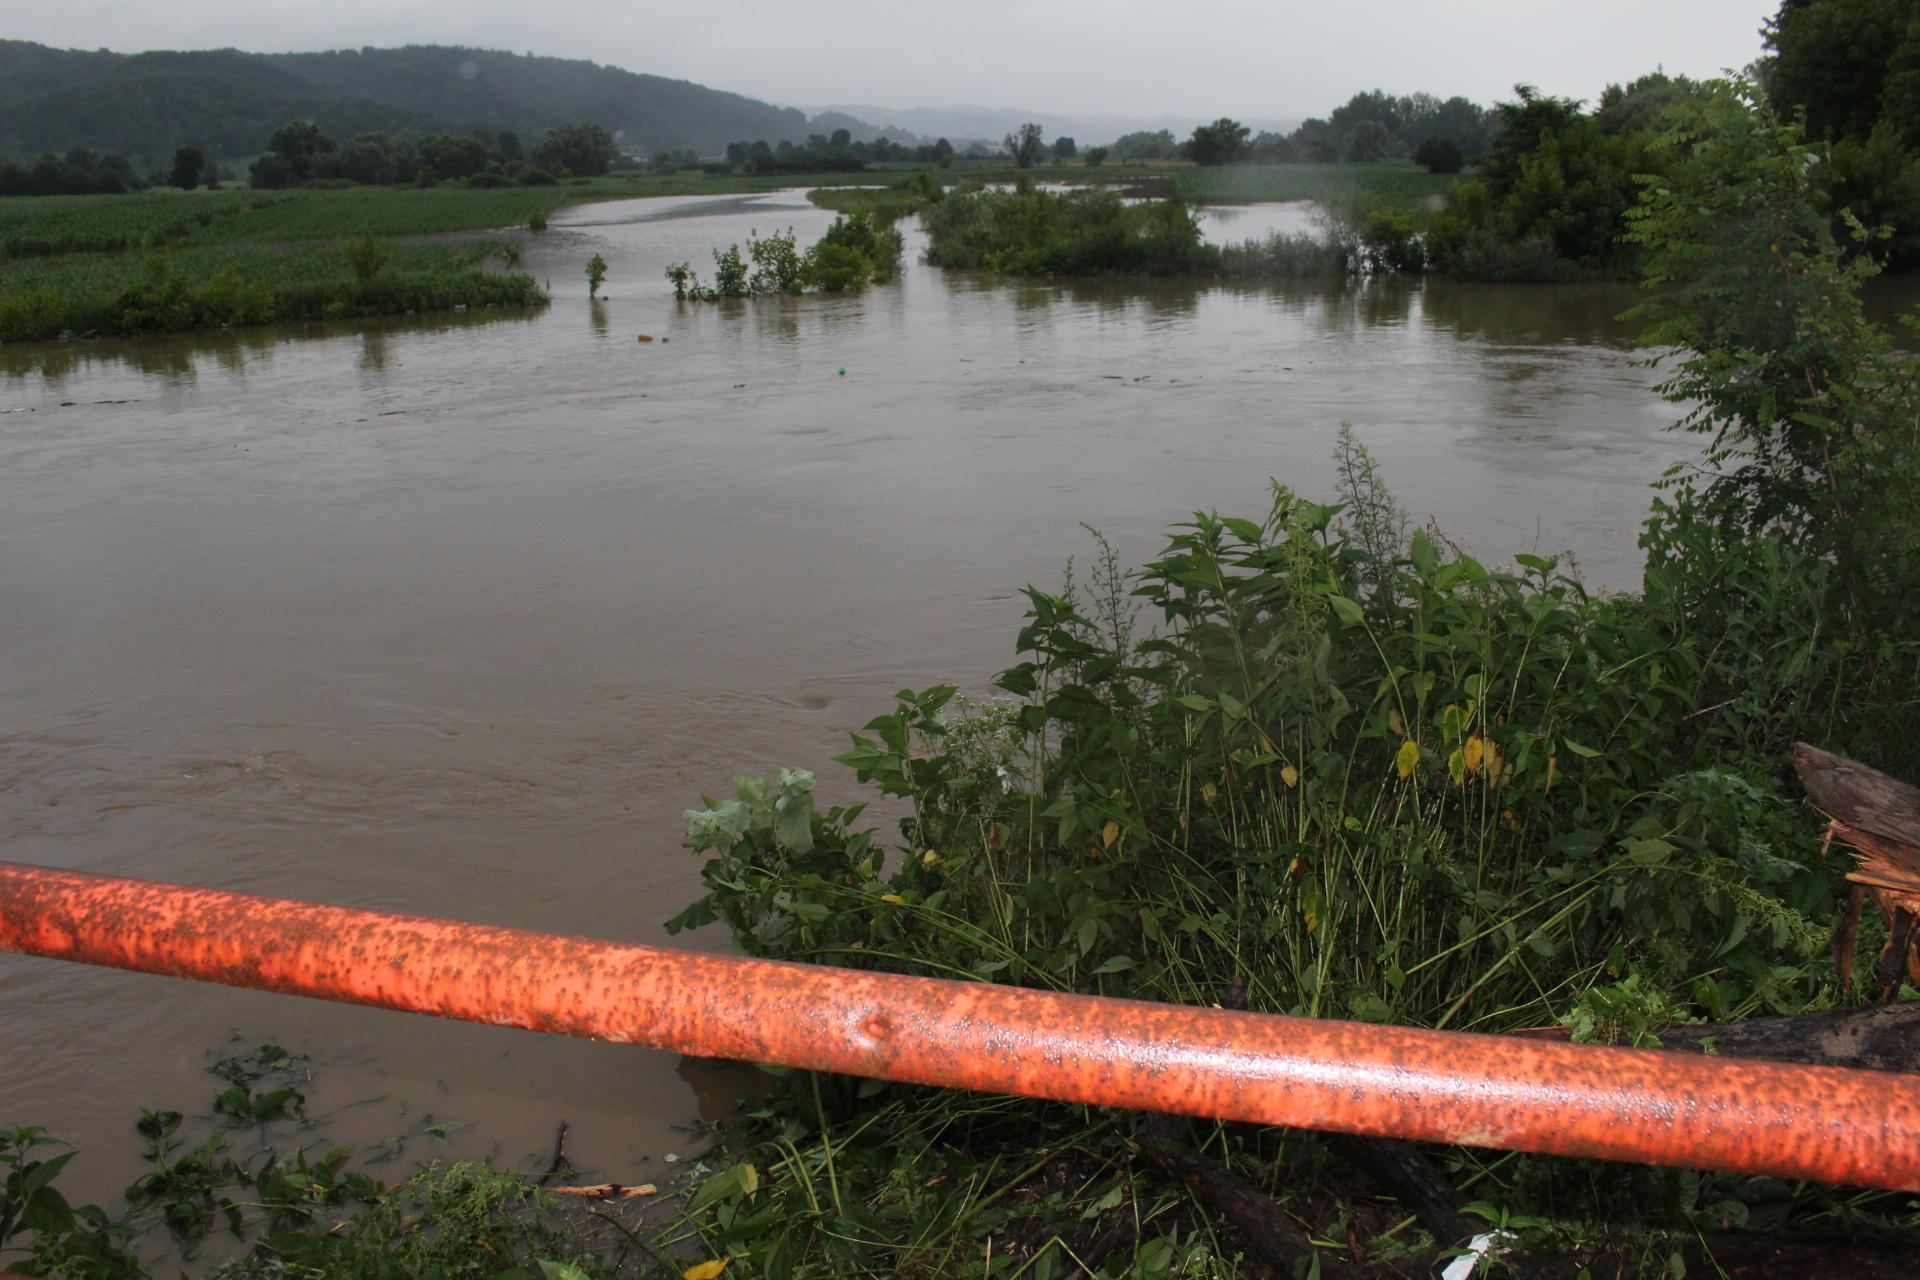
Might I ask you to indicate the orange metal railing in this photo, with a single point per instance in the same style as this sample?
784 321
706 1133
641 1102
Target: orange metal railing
1821 1123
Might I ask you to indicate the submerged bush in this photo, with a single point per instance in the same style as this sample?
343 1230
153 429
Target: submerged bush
1027 231
855 251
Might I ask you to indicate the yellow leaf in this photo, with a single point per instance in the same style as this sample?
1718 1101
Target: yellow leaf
1297 867
1476 748
1457 767
1493 761
1396 723
1208 792
1109 833
705 1270
897 901
1553 769
1407 758
1290 776
929 858
1312 918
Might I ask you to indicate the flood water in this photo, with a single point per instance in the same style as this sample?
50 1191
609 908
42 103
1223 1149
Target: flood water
457 616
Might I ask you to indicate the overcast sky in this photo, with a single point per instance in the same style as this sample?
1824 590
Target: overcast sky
1120 57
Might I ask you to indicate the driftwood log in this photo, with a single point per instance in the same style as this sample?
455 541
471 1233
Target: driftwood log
1877 819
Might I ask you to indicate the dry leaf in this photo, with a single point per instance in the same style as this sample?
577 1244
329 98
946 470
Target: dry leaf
705 1270
1407 757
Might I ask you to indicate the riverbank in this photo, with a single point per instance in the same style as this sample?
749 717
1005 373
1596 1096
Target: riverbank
92 264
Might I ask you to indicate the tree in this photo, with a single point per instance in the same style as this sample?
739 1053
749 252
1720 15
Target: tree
450 157
1439 155
188 163
1064 148
1024 145
1096 156
1144 145
508 145
1809 413
295 154
1848 64
596 274
1368 141
584 149
1222 142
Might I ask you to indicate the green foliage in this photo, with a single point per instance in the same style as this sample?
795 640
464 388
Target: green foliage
1390 241
366 258
79 172
188 164
596 274
1222 142
1096 156
1850 65
585 149
1356 773
1027 231
59 1239
1023 144
1808 414
219 286
1440 155
226 102
855 251
28 315
288 1207
1352 774
1550 198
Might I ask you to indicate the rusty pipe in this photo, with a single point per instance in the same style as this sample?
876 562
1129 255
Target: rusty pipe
1821 1123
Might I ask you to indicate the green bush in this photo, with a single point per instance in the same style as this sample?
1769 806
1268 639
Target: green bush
31 316
1027 231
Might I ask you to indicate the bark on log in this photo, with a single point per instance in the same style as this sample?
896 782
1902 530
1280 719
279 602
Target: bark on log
1268 1234
1877 1038
1862 797
1403 1172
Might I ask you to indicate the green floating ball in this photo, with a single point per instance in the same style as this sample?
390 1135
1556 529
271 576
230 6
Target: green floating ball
843 373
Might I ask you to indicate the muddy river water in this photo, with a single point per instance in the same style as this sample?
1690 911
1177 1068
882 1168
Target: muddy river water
455 617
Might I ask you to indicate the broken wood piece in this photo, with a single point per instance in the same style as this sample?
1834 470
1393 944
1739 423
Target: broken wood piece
1877 818
608 1191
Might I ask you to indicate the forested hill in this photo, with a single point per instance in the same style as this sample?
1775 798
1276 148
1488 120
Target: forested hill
228 102
527 94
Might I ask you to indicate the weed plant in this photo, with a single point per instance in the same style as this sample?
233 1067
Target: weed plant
1337 769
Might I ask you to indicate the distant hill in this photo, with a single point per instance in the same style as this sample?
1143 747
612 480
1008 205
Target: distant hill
528 94
959 124
144 105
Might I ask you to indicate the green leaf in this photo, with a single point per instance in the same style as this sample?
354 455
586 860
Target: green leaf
1350 612
1585 753
1194 702
1118 964
1245 530
1232 705
1424 558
